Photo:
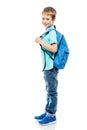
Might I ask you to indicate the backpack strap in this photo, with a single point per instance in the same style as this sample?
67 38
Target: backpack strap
47 53
44 51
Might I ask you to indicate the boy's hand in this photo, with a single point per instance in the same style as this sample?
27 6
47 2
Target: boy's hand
38 40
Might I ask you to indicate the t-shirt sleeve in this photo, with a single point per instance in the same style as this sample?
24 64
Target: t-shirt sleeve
53 37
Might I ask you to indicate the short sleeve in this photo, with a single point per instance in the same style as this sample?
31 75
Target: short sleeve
52 37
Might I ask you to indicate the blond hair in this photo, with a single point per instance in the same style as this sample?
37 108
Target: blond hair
50 11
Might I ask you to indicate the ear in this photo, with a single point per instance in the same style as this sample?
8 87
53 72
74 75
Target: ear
54 20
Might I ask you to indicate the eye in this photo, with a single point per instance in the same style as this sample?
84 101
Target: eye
43 18
47 18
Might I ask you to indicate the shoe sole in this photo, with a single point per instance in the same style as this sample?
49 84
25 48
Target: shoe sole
53 122
38 119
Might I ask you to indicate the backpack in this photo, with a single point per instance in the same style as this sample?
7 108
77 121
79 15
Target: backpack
62 54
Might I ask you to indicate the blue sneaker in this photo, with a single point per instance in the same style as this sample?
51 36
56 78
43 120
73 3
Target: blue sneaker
40 117
48 120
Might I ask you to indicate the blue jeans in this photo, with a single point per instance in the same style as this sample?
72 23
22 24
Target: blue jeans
51 81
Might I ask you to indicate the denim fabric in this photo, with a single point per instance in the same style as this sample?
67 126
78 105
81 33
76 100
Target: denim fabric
51 81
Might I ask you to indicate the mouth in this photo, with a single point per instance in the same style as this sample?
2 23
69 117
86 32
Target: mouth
46 25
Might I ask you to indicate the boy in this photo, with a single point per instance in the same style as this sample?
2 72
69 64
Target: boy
49 43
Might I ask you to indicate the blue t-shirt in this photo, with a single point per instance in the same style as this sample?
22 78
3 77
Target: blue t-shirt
50 38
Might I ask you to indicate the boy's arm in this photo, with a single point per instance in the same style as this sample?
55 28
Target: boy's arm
51 47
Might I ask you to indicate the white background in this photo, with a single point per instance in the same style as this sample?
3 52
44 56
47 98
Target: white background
22 88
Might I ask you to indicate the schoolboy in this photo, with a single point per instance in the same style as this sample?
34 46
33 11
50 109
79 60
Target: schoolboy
49 43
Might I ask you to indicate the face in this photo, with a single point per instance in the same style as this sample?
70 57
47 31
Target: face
47 20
